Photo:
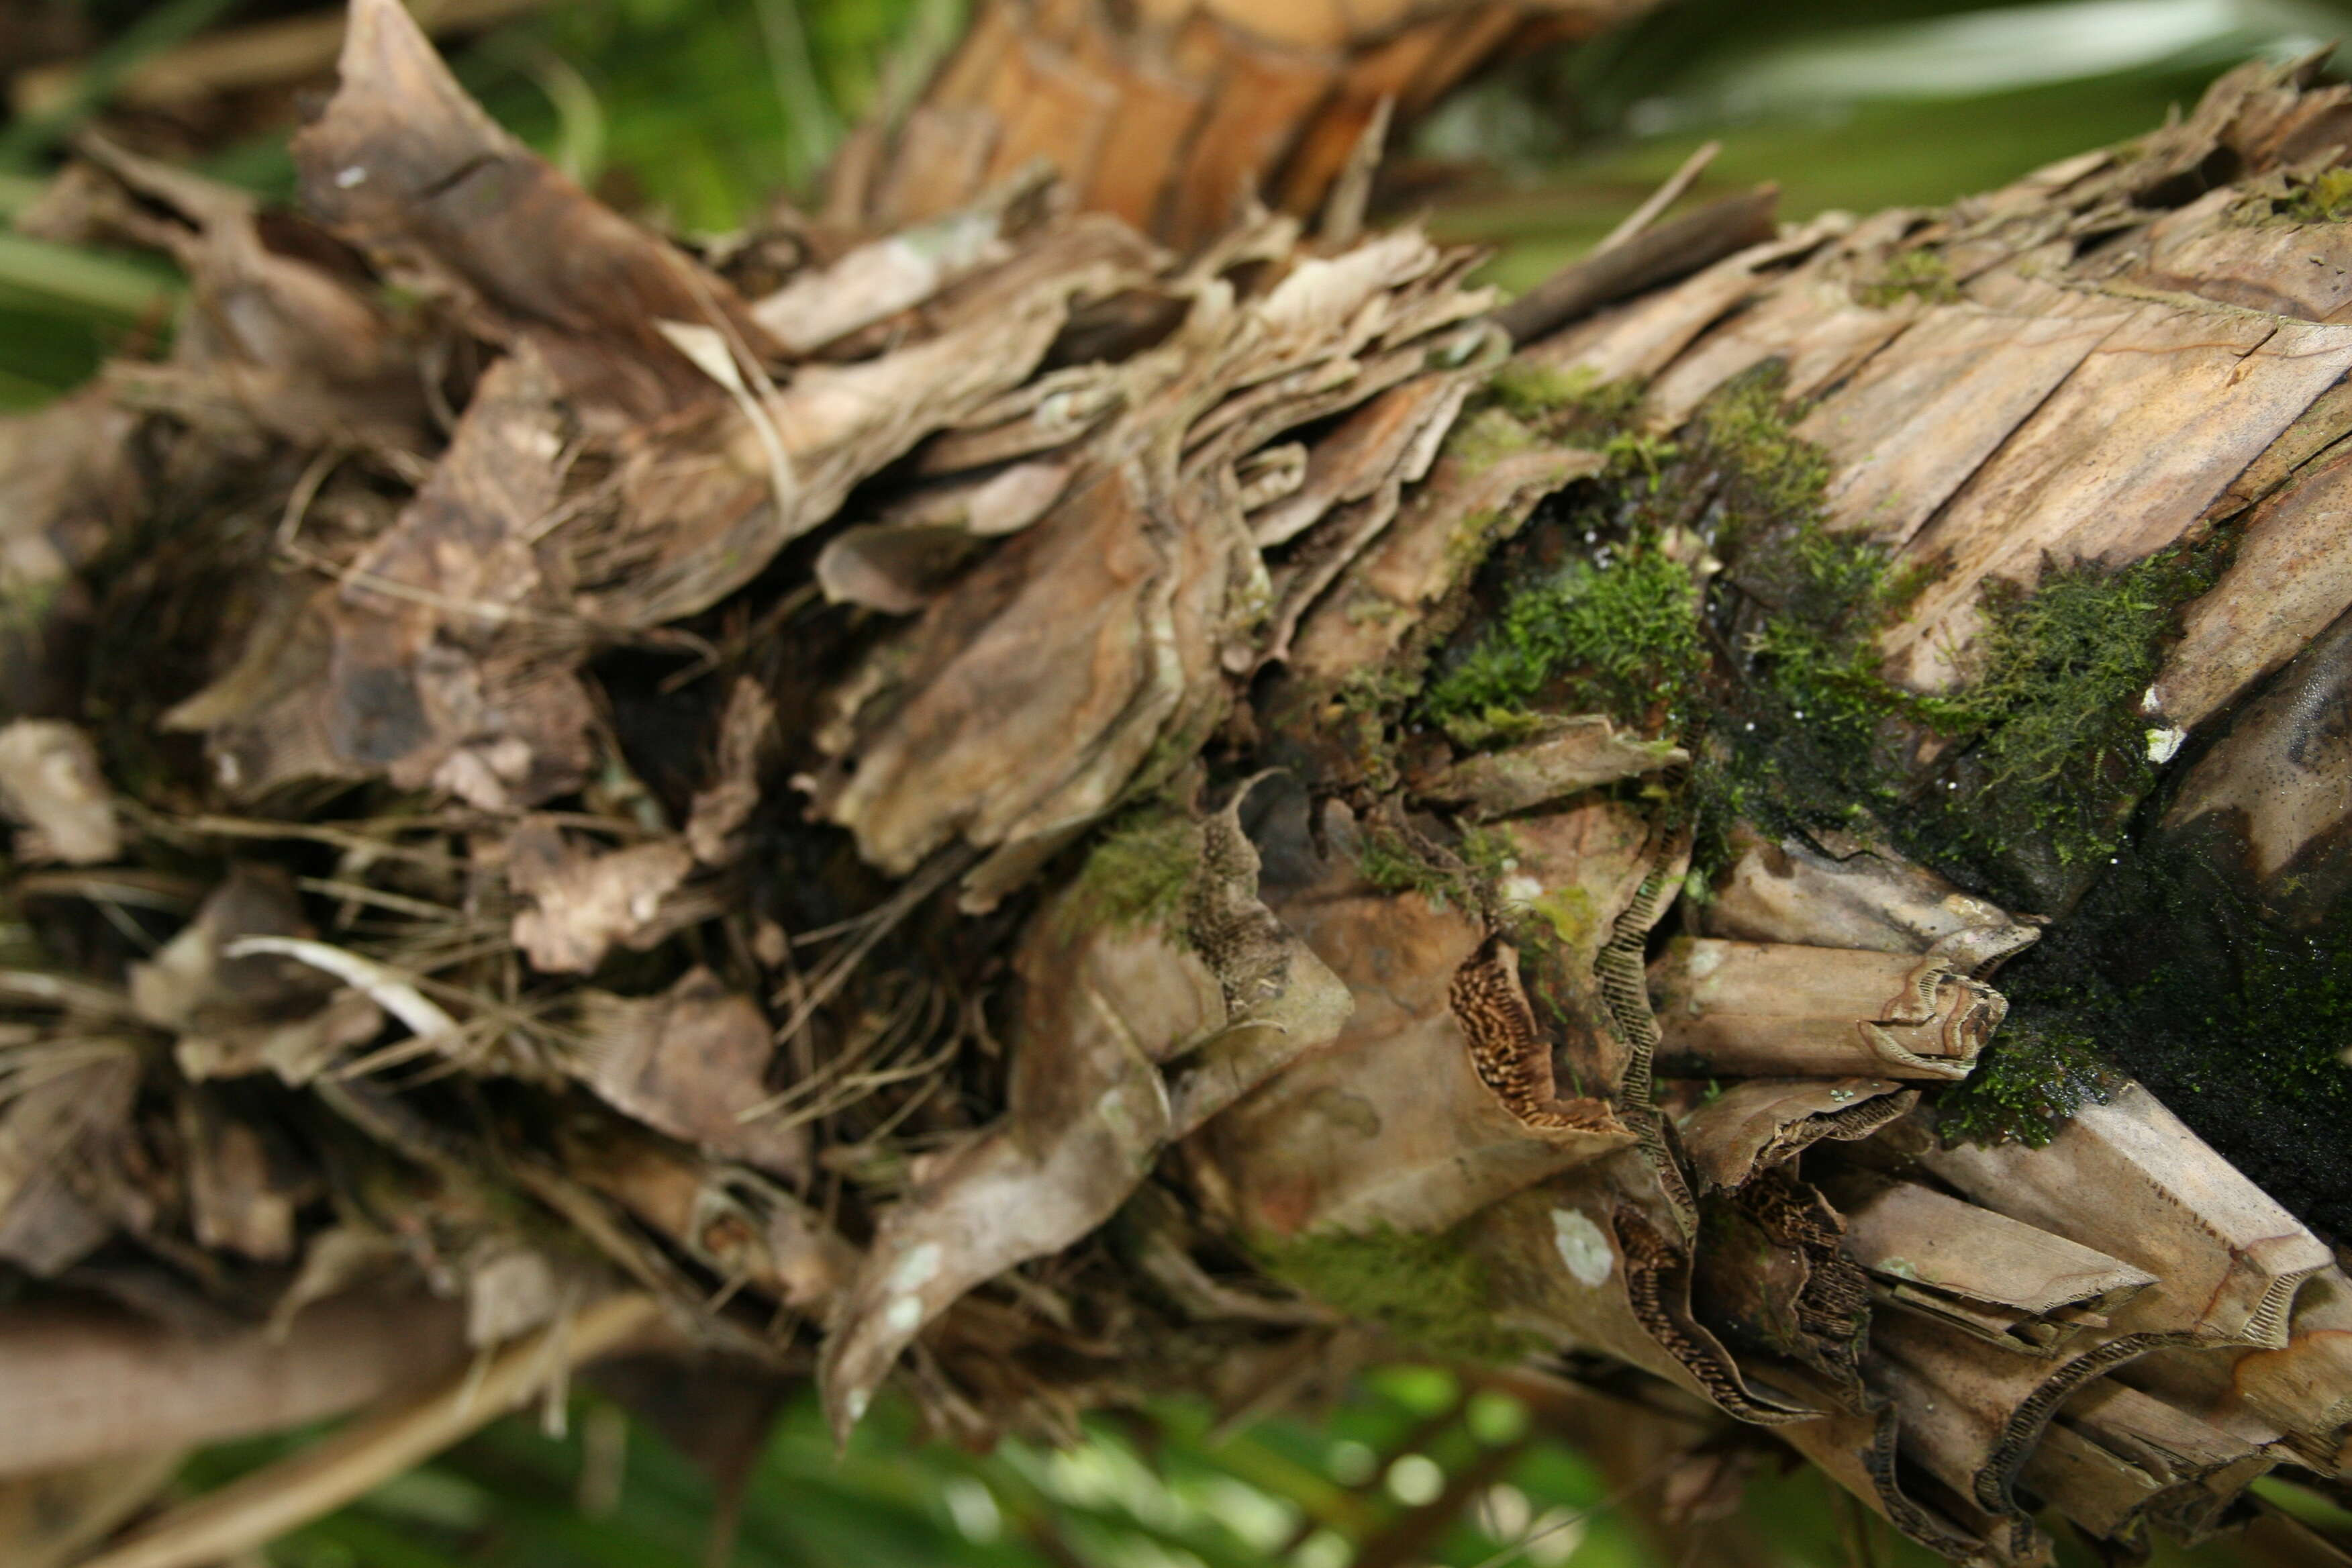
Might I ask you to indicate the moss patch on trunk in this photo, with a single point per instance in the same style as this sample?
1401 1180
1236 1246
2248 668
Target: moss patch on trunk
1430 1291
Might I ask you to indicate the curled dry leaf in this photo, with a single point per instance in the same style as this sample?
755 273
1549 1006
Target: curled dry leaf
1777 1010
748 740
59 1139
1840 892
585 901
702 503
1128 1035
1115 614
1985 1274
1586 1257
440 658
402 163
1586 751
885 276
742 1228
2226 1260
689 1062
50 782
899 564
1761 1122
275 343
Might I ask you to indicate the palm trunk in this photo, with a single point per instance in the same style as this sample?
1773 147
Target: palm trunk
1052 821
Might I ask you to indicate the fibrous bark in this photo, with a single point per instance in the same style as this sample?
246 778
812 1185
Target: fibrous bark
1054 817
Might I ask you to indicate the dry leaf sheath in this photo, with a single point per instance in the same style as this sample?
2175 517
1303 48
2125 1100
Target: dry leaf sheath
1049 806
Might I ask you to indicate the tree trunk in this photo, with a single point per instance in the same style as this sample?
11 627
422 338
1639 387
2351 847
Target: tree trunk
1053 823
1173 115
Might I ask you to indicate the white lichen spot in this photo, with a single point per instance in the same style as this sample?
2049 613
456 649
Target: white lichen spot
347 178
2150 704
918 1269
2162 744
855 1404
1582 1247
1520 890
904 1315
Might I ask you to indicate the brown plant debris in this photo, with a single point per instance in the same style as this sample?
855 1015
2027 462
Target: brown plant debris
915 823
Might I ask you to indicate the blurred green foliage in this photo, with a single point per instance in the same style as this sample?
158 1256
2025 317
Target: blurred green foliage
1162 1490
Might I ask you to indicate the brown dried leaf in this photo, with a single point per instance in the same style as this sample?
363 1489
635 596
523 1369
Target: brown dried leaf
50 782
1127 1038
747 739
705 500
1586 752
585 901
273 343
1776 1010
1133 593
2226 1260
1086 1114
57 1135
1982 1272
1753 1126
434 663
688 1062
242 1195
403 162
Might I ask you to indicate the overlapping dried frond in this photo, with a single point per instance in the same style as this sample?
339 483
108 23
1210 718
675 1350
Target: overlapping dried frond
1055 814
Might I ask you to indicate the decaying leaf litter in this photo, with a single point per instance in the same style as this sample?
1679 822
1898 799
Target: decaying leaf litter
1047 823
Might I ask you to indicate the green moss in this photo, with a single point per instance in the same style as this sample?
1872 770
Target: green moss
2057 702
1363 705
1547 399
1618 635
1488 437
2233 1015
1632 454
1490 853
1429 1291
2040 757
1389 863
2024 1088
1920 274
1768 475
1138 875
2325 197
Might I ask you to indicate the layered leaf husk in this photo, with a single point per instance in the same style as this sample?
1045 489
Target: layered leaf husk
1056 829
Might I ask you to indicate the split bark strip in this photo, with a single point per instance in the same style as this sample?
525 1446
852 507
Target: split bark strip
1661 254
1677 185
250 1512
